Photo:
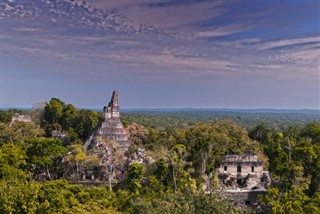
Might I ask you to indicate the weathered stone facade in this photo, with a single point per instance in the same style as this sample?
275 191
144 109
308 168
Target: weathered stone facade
110 144
111 129
21 118
247 198
242 178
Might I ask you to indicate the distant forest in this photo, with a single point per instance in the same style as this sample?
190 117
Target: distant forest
162 119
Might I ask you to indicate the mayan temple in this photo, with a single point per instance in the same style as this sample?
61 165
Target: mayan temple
109 143
111 129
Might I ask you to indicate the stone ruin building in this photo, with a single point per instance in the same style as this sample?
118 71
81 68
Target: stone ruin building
110 144
21 118
111 129
241 177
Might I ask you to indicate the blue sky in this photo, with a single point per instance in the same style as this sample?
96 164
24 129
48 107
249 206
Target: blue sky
165 53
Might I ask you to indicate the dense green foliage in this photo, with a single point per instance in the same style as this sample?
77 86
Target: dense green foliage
184 151
66 118
135 174
42 152
294 160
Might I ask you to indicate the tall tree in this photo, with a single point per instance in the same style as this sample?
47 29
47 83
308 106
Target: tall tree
12 162
135 173
42 152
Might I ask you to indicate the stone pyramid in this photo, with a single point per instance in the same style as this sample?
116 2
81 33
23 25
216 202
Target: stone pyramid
111 129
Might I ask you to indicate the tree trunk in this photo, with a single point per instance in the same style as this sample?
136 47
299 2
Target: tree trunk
48 173
77 169
109 178
174 179
203 164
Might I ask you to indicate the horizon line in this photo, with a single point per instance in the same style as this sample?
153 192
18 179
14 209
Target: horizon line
156 108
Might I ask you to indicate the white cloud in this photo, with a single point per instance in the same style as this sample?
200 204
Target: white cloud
175 65
171 16
307 55
24 29
288 42
225 30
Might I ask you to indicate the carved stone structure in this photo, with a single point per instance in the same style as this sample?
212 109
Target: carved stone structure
109 143
242 178
111 129
21 118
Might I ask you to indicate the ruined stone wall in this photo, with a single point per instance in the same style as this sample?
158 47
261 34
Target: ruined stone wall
21 118
246 198
245 168
240 158
241 164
